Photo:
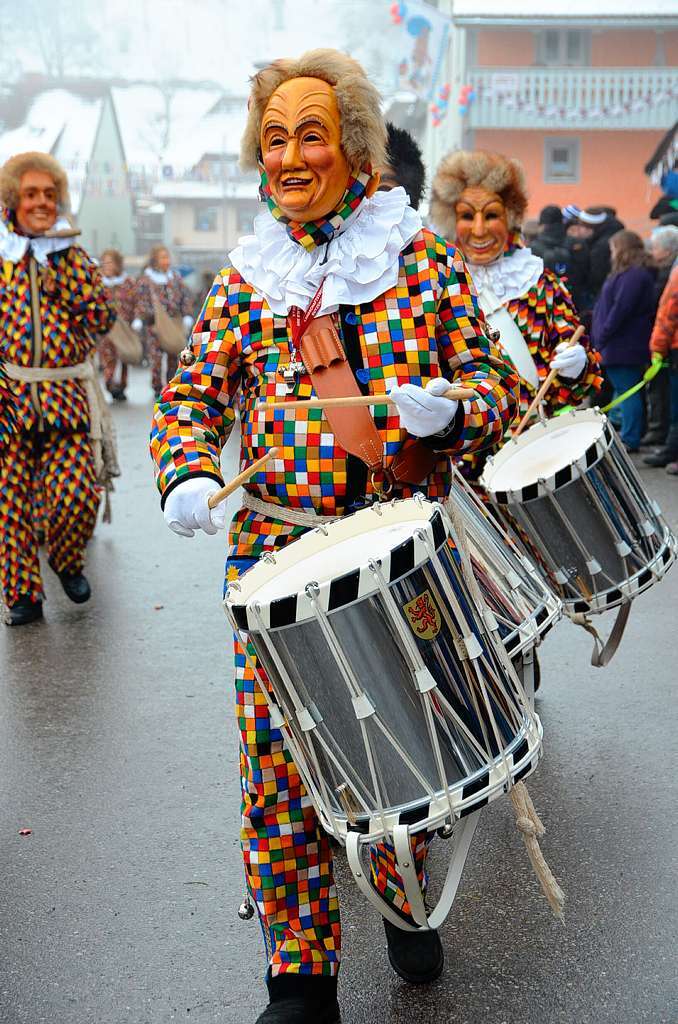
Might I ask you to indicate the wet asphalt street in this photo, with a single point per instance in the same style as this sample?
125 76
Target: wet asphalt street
118 752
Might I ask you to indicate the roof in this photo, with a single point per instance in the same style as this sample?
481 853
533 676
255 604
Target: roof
63 124
536 12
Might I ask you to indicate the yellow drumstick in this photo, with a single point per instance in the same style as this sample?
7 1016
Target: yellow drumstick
548 381
241 478
349 400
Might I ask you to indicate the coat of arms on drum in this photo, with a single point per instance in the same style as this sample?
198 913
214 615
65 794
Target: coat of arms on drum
423 616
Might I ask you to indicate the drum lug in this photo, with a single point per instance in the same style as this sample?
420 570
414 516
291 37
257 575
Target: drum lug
363 706
593 567
446 831
473 646
647 528
276 716
623 549
424 680
305 719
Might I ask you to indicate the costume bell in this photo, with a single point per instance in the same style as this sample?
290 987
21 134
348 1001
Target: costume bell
403 304
479 199
52 305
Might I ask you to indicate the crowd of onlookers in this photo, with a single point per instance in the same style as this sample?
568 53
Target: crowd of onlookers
626 291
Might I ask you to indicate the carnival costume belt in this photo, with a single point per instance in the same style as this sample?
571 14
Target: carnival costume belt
292 516
101 430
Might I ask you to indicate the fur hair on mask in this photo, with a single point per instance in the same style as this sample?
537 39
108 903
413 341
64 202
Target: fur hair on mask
14 169
463 169
363 131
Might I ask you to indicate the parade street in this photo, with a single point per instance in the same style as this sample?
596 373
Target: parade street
118 751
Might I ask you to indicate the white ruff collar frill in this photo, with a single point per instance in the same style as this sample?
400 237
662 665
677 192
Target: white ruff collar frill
358 265
13 246
509 277
159 277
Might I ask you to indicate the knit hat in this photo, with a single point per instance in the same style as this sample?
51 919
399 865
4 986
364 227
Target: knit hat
571 213
551 215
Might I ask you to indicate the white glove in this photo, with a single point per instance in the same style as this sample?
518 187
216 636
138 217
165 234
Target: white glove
422 411
137 324
186 509
188 322
569 360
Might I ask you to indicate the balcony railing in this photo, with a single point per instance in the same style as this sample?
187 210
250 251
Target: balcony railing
613 99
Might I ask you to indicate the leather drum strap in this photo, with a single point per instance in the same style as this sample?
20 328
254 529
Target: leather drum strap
326 363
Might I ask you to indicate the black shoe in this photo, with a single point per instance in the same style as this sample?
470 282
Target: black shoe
652 438
24 611
301 999
75 586
417 957
659 459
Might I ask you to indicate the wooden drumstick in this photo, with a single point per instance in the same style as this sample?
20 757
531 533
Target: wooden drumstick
548 381
241 478
338 403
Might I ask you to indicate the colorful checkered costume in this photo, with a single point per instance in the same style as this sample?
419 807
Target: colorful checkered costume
122 297
44 426
426 326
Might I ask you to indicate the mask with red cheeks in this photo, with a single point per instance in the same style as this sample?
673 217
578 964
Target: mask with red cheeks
37 210
301 149
482 225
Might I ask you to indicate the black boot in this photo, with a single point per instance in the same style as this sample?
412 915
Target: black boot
24 610
669 453
417 957
301 999
75 585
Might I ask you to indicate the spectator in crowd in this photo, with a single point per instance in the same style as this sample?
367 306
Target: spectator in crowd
663 248
551 243
120 288
160 285
622 323
664 340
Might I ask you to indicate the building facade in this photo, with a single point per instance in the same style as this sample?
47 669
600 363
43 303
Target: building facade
580 91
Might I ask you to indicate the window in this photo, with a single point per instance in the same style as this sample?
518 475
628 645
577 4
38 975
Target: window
564 48
205 218
561 159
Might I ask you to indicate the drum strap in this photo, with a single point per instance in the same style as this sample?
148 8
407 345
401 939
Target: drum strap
604 652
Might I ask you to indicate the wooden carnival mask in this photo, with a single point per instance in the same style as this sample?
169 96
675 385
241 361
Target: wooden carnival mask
301 149
482 225
37 209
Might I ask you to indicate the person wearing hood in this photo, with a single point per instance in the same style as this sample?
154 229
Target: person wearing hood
551 242
479 200
603 224
52 304
163 286
401 300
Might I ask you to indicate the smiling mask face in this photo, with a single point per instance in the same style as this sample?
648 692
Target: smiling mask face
482 225
301 149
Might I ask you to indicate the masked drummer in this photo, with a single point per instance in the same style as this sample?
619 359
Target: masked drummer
403 304
479 199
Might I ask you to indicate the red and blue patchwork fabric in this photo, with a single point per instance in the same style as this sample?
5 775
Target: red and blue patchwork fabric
428 325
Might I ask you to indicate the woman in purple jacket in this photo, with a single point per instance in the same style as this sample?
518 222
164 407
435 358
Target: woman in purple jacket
622 324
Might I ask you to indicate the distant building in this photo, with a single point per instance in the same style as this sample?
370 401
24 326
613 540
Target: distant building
203 220
83 134
579 90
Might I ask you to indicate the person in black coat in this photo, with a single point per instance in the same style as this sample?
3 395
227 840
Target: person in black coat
551 243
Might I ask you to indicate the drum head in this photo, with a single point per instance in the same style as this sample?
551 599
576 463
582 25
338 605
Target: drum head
336 559
543 451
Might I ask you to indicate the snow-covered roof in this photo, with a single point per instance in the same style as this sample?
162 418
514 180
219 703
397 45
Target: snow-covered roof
63 124
159 127
168 190
589 11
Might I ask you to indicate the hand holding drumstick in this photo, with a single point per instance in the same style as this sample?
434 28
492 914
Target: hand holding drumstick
559 365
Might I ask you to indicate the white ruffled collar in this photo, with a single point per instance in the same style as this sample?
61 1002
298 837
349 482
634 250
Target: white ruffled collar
358 264
158 277
13 245
113 282
509 277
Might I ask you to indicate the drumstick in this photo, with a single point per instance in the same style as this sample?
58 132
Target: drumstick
242 478
548 381
334 403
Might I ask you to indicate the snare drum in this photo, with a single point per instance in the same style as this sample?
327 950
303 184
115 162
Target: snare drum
390 682
569 491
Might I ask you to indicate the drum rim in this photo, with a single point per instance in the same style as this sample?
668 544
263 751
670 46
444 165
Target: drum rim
351 587
630 588
561 477
437 810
